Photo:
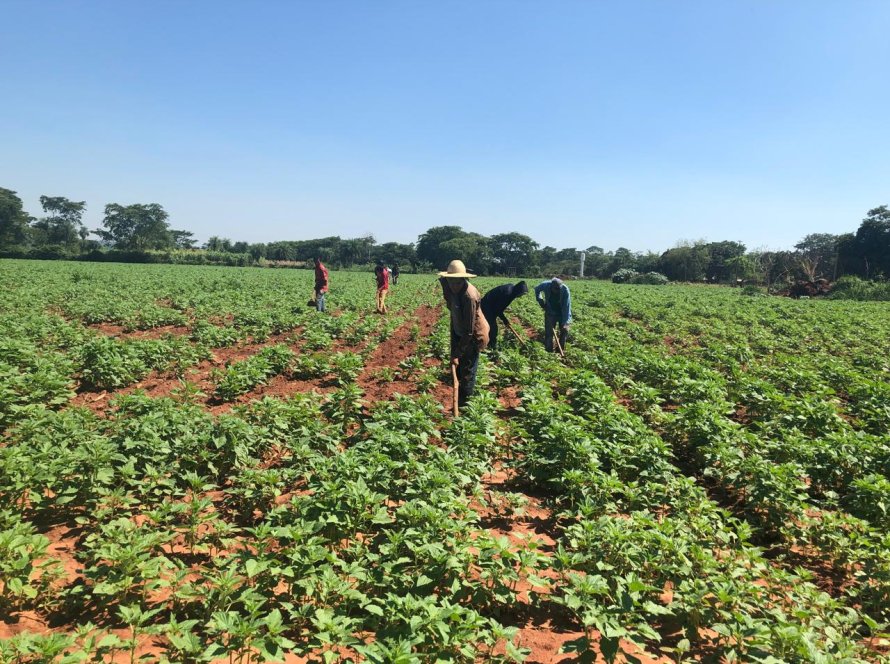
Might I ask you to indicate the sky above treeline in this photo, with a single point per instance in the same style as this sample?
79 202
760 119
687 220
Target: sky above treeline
635 124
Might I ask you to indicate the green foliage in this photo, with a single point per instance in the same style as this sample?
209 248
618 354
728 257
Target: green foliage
853 288
753 291
623 276
136 227
628 276
14 230
243 376
700 462
26 572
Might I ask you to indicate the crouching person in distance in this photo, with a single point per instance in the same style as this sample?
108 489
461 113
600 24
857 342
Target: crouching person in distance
556 301
469 329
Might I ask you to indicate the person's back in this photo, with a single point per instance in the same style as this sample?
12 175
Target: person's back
382 276
495 303
555 299
382 287
321 284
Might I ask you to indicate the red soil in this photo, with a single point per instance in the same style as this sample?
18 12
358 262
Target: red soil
158 385
396 348
392 351
120 332
543 629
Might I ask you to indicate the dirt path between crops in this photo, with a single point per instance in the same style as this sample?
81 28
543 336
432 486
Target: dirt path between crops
544 627
157 384
377 386
121 332
399 346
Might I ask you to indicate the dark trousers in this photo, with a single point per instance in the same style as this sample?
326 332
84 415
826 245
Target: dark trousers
492 331
549 323
466 370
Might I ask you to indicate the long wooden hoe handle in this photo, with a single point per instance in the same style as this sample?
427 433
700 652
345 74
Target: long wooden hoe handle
515 333
454 400
562 353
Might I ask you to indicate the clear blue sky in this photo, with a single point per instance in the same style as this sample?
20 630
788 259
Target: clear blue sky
632 124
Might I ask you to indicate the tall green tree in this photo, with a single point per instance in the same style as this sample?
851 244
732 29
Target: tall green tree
775 266
351 251
873 242
14 230
395 253
137 227
216 243
719 254
848 259
472 248
648 262
818 255
183 239
745 266
63 223
512 251
596 262
621 259
685 263
429 245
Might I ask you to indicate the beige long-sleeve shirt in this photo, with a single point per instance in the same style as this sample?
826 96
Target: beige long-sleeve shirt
467 320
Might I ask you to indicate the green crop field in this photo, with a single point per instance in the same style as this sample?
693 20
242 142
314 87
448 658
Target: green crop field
197 467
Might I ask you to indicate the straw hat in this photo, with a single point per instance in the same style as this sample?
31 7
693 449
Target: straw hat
456 269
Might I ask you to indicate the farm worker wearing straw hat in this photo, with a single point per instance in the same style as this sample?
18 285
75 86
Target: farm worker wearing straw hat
469 329
556 301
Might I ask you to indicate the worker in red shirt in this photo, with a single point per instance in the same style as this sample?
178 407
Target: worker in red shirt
321 284
382 275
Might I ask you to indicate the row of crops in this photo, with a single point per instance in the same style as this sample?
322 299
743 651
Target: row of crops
715 468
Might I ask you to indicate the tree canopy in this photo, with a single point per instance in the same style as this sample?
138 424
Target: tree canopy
13 220
62 224
136 227
145 227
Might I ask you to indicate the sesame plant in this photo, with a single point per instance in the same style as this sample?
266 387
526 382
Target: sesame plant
196 467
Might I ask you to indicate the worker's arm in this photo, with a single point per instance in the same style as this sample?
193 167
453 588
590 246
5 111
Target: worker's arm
539 289
566 306
445 290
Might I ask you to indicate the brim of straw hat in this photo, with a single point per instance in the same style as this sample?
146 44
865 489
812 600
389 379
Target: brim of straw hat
457 275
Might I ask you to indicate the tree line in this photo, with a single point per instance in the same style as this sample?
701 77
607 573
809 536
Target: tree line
142 232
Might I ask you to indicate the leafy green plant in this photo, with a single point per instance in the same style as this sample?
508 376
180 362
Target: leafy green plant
26 572
346 367
243 376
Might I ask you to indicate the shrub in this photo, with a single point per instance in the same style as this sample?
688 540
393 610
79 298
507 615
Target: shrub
753 291
854 288
628 276
650 279
623 276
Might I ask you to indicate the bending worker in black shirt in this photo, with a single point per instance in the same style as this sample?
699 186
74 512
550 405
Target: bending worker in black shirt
495 303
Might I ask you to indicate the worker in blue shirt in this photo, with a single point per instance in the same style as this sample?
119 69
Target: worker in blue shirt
556 301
